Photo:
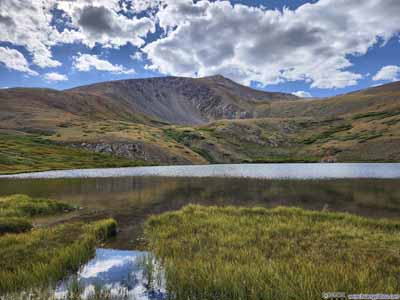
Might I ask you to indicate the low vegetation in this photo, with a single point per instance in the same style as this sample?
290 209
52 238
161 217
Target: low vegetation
45 255
282 253
36 257
17 210
19 153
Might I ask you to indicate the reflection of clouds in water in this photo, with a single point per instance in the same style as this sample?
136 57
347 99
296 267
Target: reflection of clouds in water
108 260
120 272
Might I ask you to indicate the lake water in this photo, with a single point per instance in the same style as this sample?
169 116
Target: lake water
119 272
266 171
130 195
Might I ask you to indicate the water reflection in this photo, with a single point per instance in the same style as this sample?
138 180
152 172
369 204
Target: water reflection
120 272
130 200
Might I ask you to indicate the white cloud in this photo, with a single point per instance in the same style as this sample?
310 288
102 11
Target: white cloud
87 62
142 5
99 22
53 76
302 94
27 24
311 43
391 73
14 60
139 56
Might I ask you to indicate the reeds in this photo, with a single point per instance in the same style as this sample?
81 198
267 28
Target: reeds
277 254
45 255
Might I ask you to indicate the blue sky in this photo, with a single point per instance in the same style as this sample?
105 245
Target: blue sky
312 48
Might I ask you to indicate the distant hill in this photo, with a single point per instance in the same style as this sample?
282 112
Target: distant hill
180 100
174 120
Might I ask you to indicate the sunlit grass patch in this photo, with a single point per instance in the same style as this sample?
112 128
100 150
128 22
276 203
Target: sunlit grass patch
282 253
25 206
45 255
16 211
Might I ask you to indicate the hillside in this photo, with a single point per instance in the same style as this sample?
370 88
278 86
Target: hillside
180 100
173 120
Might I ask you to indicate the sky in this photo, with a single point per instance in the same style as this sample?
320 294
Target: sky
315 48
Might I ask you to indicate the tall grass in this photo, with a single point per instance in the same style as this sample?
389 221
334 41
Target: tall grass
16 211
278 254
25 206
45 255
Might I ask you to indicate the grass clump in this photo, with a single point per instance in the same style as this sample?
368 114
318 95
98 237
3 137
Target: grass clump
14 225
25 206
282 253
45 255
17 210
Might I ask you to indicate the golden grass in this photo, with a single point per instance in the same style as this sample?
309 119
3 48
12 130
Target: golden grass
282 253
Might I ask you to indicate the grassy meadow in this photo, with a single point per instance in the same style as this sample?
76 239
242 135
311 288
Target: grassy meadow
27 153
282 253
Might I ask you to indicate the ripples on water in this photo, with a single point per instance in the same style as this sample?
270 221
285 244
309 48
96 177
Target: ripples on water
271 171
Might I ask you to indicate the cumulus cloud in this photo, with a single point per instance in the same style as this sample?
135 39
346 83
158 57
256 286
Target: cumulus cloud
87 62
391 73
54 76
100 22
302 94
14 60
311 43
30 24
26 23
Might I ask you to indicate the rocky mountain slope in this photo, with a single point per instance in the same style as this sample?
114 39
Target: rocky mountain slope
180 100
174 120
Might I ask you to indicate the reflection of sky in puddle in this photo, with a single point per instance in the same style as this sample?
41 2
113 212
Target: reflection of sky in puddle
119 271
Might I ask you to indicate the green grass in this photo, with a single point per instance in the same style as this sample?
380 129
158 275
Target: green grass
14 225
17 210
282 253
29 153
46 255
25 206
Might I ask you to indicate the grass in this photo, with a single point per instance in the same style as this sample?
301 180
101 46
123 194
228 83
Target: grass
14 225
17 210
19 153
46 255
282 253
25 206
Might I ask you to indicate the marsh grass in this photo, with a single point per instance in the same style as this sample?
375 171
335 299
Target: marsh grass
16 212
282 253
14 225
25 206
45 255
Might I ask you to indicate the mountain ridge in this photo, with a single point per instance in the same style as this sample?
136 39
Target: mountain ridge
185 100
224 123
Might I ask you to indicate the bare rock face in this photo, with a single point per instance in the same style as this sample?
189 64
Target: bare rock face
181 100
134 151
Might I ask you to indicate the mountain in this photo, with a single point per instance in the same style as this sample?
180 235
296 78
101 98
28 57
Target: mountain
180 100
173 120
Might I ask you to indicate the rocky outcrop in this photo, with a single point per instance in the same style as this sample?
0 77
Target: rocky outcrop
134 151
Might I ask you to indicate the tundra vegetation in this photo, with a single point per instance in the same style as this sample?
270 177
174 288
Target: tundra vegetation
280 253
214 121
